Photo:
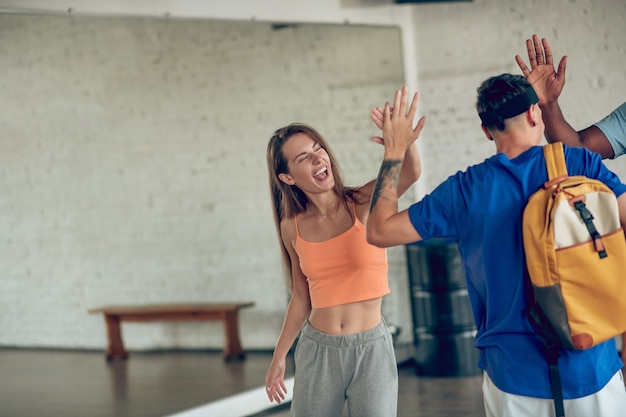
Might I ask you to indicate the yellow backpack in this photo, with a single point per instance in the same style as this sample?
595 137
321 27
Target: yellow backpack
576 255
576 258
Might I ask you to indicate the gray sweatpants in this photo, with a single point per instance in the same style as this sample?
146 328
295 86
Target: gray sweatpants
359 369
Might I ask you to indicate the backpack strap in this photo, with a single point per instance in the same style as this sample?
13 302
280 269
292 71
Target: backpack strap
551 344
552 349
587 218
557 170
555 160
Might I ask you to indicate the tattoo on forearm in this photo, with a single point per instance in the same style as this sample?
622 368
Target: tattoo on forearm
388 178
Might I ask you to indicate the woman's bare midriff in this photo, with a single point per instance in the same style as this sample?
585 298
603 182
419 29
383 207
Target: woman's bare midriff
347 318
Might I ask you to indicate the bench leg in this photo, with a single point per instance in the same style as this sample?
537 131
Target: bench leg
114 333
232 348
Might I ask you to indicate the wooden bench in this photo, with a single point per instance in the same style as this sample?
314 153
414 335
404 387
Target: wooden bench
226 312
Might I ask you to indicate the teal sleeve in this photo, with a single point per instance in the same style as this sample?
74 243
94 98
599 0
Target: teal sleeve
614 128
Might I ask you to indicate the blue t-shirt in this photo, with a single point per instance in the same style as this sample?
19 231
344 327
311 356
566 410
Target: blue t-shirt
481 209
614 128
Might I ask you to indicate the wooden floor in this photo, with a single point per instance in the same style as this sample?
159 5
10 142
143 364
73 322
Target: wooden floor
38 383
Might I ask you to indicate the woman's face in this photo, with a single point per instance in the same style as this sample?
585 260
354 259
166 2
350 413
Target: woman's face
308 163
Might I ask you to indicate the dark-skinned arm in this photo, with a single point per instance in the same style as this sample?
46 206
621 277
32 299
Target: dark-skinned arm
548 83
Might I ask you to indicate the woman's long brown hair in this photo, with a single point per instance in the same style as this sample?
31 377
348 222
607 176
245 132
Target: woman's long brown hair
289 200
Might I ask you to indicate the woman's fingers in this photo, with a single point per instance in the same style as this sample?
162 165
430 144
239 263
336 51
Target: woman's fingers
277 392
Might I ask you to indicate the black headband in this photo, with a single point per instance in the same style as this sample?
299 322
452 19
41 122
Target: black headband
517 105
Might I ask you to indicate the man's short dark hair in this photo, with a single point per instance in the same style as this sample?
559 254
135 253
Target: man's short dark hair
496 91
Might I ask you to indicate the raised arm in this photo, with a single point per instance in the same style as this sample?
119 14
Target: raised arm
411 166
548 85
385 226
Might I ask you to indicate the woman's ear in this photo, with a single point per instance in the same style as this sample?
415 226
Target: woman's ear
486 132
286 178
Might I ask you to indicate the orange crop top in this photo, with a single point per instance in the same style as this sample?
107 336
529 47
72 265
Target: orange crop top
344 269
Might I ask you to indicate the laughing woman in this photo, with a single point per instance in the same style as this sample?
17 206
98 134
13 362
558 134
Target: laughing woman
337 280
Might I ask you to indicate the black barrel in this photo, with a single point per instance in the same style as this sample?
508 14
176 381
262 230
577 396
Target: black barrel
441 311
443 322
446 354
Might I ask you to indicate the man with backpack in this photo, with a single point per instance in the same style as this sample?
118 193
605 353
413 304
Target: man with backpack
606 137
482 209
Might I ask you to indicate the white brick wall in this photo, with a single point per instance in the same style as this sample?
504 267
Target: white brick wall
133 164
462 44
132 156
